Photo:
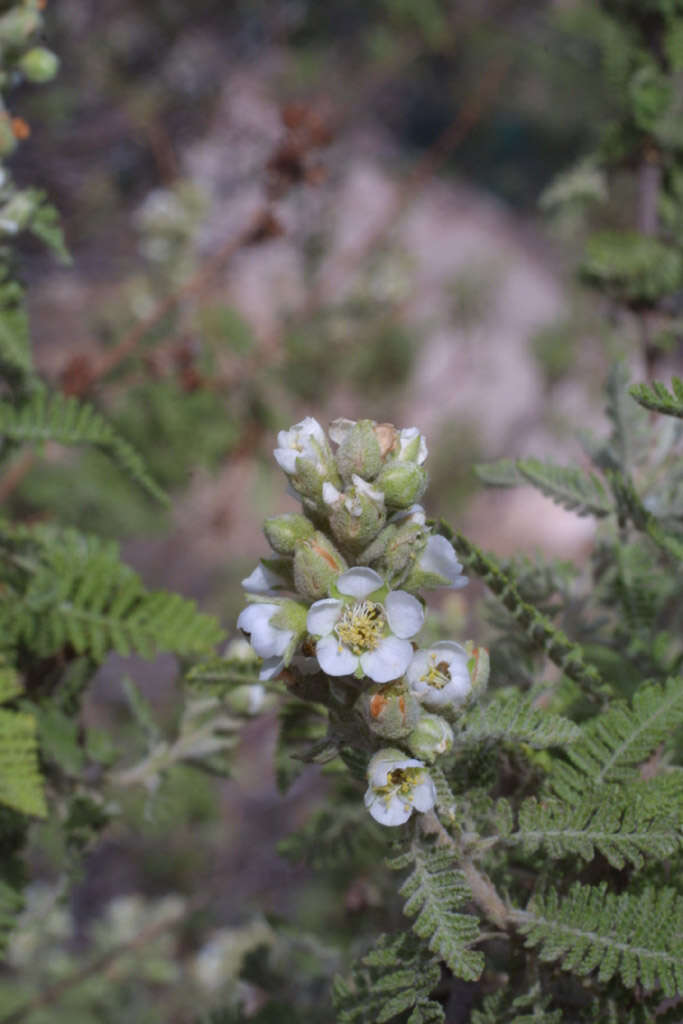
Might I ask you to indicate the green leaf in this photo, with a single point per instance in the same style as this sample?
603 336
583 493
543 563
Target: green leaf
73 589
636 269
622 828
501 473
21 783
15 349
655 396
511 717
568 486
397 975
613 743
434 892
70 422
639 937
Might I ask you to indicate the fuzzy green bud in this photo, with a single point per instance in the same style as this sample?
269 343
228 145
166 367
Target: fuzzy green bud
317 563
389 711
402 483
357 515
39 65
250 699
359 452
432 736
285 532
17 25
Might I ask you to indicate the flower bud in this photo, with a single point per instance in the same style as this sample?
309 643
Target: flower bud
317 563
432 736
39 64
18 211
389 711
411 446
402 483
285 532
17 25
357 515
304 454
250 699
359 452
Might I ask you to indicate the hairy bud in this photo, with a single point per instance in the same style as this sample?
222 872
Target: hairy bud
357 515
402 483
39 65
359 452
317 563
432 736
285 532
389 711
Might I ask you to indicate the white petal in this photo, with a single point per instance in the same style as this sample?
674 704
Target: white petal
405 613
388 661
310 428
264 581
334 658
286 459
415 514
270 668
359 582
253 614
363 487
407 438
322 616
424 795
417 667
387 812
330 493
440 558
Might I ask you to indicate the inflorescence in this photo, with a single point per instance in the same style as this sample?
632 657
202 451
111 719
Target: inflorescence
334 611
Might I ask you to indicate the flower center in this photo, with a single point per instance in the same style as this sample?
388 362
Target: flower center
361 626
437 675
401 781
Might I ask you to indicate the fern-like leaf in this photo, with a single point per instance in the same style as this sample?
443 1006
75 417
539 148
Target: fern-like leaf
15 349
434 892
10 905
70 422
623 830
74 590
512 717
568 486
396 976
613 743
21 784
657 397
538 628
639 937
340 835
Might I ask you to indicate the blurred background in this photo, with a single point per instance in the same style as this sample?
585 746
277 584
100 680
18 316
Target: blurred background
280 208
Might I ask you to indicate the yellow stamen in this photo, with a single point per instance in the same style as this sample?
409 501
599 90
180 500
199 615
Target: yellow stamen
437 675
361 626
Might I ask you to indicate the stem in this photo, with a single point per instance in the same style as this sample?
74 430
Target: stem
484 892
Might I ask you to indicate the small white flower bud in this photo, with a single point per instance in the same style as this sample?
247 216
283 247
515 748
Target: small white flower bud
285 532
402 483
432 736
317 564
389 711
359 452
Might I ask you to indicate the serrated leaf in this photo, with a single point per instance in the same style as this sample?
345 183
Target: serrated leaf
568 486
511 717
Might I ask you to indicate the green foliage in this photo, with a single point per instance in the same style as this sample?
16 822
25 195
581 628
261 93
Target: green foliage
537 627
435 891
396 976
583 493
503 1007
635 269
620 739
335 836
21 782
512 717
72 589
70 422
638 937
657 397
15 350
620 825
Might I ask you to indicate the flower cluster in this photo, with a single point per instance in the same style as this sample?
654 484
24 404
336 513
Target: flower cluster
336 604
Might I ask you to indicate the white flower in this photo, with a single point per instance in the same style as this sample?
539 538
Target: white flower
397 786
264 581
269 642
352 499
440 560
367 631
439 676
411 445
304 440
